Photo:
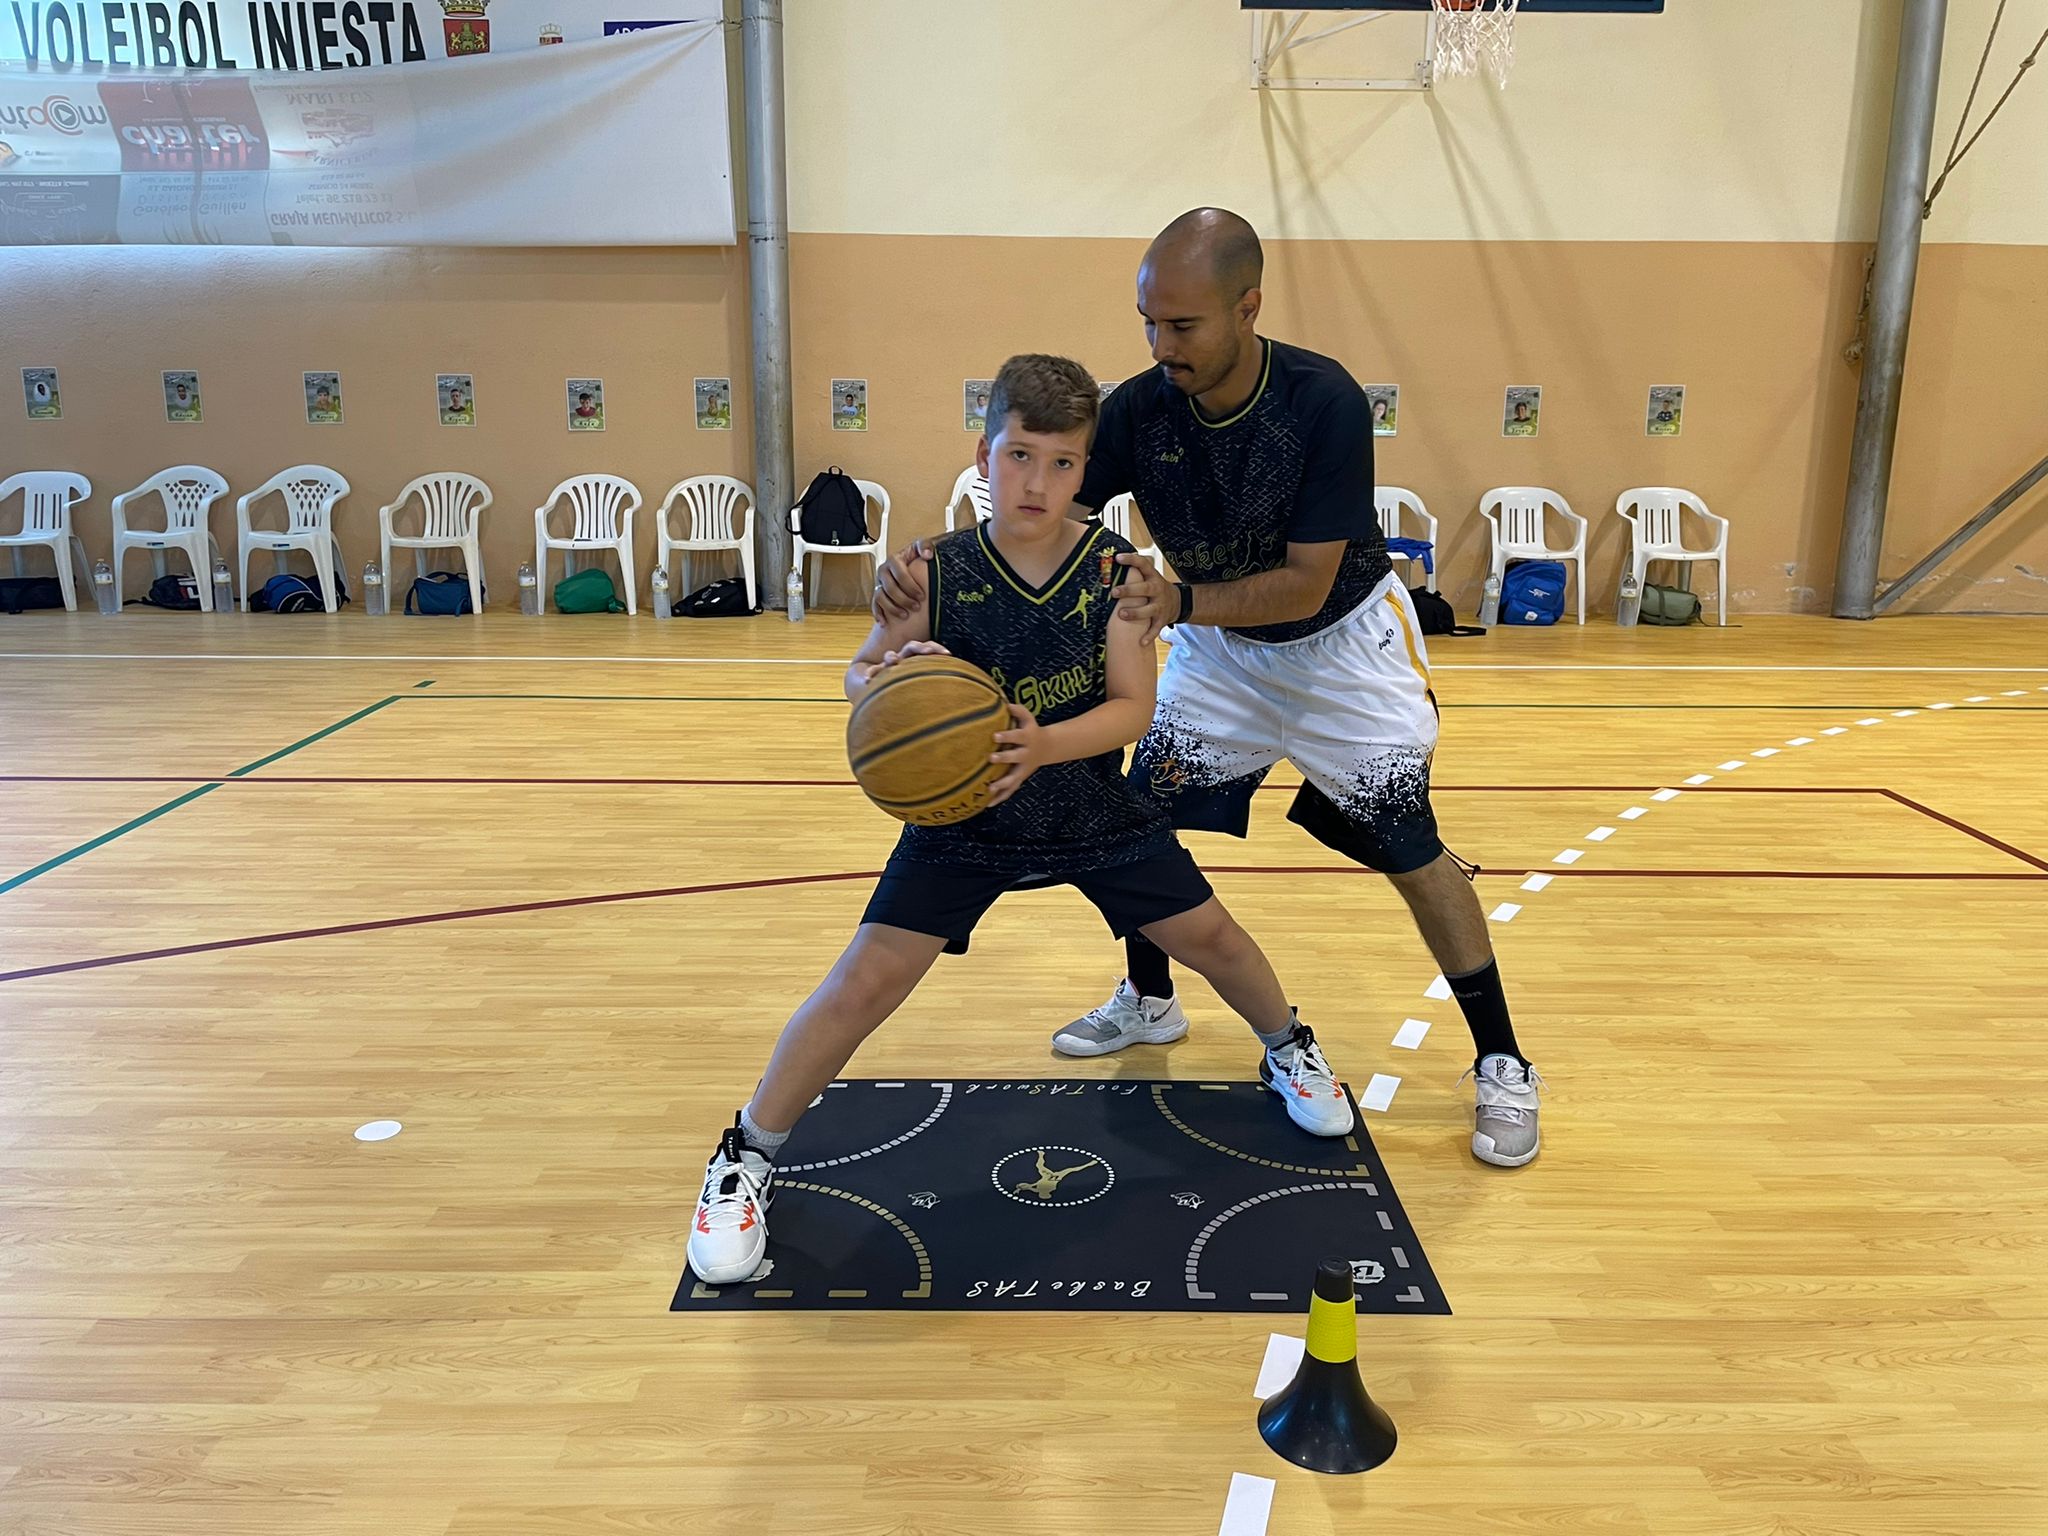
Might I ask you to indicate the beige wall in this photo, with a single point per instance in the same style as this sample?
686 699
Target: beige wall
1686 200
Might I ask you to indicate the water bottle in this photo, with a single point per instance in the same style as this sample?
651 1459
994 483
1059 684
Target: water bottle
663 607
223 588
373 591
1629 604
795 588
1489 605
529 592
103 587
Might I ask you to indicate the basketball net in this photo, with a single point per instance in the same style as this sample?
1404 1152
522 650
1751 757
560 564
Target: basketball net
1472 32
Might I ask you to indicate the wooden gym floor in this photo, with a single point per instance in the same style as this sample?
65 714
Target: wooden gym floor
544 892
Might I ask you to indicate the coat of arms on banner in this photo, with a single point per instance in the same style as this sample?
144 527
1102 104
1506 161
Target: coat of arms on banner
465 29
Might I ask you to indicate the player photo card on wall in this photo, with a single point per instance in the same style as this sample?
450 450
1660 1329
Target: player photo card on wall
39 394
455 399
1522 411
714 404
323 399
849 405
1385 401
586 405
974 404
1667 410
181 396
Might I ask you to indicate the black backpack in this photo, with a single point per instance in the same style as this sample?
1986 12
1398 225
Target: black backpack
18 594
834 510
180 593
1437 616
725 599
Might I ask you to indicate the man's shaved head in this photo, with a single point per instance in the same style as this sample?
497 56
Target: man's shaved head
1217 239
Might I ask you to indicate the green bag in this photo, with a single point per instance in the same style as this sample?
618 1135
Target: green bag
1669 605
587 592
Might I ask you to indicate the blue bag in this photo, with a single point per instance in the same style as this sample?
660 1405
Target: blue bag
441 592
1532 592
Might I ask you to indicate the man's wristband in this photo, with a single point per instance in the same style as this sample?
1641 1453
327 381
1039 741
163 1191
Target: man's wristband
1187 602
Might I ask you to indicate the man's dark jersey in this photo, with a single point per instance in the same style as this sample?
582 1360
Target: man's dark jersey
1225 498
1047 649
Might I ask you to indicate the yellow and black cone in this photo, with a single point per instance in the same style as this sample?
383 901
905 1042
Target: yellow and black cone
1324 1420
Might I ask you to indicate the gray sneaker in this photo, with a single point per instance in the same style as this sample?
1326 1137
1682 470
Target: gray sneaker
1126 1019
1504 1130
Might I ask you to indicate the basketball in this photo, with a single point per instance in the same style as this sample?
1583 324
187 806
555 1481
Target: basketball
920 738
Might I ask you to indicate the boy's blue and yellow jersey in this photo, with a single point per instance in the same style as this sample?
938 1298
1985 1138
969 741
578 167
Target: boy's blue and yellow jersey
1047 649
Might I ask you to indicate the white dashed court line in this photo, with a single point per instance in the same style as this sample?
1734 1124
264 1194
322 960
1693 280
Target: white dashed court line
1701 778
1409 1035
1439 989
1635 812
1379 1093
1870 720
1978 698
1731 765
1765 752
1663 795
1249 1506
1506 912
378 1130
1800 741
1283 1359
1569 856
1941 706
1836 730
2013 693
1900 714
1537 882
1599 834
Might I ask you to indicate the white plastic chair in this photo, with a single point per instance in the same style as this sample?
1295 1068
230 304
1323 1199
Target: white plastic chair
310 492
1116 517
1519 515
451 517
186 494
603 507
717 521
1393 504
970 485
1656 514
47 497
875 549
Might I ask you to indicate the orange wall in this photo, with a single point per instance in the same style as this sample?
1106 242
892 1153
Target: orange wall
1754 330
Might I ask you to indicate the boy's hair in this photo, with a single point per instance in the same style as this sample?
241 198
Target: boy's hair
1048 394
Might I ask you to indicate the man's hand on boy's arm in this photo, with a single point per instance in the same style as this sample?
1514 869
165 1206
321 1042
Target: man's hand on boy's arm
901 590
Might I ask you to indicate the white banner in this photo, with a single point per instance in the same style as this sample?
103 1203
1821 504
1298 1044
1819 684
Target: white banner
609 141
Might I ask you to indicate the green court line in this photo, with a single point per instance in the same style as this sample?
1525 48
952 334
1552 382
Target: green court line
187 798
427 684
734 698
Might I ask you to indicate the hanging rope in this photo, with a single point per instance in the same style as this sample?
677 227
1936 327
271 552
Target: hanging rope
1957 156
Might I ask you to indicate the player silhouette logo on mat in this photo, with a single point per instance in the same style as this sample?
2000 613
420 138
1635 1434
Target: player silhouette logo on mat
1188 1198
924 1199
1367 1272
1053 1176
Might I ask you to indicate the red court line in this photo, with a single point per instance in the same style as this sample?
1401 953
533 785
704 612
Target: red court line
1967 830
1438 789
513 908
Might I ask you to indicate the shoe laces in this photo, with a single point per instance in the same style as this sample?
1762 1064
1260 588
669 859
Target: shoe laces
1512 1075
729 1184
1309 1060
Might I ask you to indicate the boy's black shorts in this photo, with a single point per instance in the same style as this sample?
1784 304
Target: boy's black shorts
947 900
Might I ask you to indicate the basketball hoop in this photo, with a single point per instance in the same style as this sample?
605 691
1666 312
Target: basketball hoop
1472 32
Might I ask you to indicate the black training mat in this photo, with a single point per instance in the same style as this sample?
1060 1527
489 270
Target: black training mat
1096 1196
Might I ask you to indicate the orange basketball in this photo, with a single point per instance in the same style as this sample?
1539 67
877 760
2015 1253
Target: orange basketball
920 738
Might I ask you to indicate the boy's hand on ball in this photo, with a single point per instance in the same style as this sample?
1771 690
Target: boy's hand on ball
891 658
1022 748
1146 596
900 589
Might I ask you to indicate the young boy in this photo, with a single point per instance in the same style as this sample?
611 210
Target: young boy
1027 596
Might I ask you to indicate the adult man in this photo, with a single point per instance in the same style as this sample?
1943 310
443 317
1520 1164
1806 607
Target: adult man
1252 462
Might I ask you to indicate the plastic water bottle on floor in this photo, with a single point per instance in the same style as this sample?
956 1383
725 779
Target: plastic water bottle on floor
1489 605
1629 604
373 591
529 592
223 588
103 587
664 608
795 588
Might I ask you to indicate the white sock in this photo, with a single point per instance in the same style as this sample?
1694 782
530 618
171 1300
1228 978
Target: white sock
767 1143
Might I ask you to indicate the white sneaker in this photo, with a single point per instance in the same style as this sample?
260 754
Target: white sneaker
1504 1128
729 1236
1301 1075
1126 1019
